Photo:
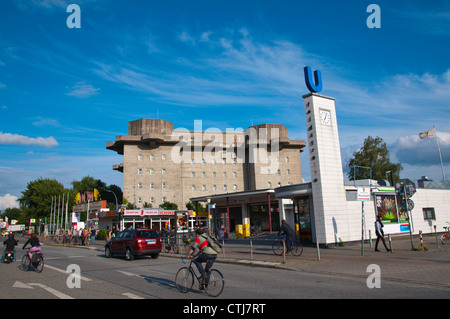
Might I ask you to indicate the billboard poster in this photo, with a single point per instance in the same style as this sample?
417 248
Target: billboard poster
394 217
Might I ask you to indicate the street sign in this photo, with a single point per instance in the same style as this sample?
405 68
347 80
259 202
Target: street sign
405 185
363 193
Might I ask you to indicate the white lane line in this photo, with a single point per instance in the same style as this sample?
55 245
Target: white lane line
129 274
66 273
131 296
68 257
54 292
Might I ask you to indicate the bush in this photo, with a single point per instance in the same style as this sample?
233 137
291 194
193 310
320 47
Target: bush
102 234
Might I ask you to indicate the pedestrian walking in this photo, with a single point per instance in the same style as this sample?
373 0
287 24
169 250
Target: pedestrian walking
380 233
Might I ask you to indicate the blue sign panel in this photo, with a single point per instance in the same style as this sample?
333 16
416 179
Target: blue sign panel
314 85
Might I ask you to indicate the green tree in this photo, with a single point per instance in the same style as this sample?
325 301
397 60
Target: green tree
169 206
193 206
12 213
373 154
106 194
88 183
36 199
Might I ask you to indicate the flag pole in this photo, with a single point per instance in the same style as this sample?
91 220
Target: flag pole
440 155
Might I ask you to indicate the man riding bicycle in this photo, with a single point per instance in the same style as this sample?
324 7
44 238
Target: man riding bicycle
206 252
290 233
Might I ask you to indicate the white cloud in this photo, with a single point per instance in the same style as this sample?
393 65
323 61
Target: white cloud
83 90
46 122
8 201
414 151
16 139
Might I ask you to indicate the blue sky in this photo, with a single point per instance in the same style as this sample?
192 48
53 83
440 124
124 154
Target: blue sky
65 92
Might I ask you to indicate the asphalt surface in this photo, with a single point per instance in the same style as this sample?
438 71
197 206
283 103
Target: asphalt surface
427 266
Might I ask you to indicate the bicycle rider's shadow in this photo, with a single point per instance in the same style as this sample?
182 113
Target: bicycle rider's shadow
165 283
160 282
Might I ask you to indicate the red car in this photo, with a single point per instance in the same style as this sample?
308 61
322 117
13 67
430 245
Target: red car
134 242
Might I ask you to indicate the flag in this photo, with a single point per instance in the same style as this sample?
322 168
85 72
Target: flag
428 134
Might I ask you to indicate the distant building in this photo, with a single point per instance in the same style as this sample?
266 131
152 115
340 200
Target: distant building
161 164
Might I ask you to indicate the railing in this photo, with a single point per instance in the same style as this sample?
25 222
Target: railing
230 247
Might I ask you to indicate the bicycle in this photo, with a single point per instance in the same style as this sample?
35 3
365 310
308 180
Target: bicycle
57 239
187 245
37 261
295 246
213 286
255 231
171 243
445 236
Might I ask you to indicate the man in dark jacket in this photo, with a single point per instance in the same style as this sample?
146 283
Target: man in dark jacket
380 233
11 244
287 230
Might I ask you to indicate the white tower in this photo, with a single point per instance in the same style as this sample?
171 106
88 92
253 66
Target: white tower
328 192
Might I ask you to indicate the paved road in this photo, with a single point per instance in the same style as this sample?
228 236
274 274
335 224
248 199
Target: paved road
341 273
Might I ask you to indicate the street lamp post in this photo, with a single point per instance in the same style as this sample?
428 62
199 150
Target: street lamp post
107 190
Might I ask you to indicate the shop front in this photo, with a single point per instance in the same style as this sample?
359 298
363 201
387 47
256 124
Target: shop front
301 196
156 219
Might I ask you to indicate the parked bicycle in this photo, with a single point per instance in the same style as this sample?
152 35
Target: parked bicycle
171 244
295 246
255 231
445 236
213 285
187 243
36 261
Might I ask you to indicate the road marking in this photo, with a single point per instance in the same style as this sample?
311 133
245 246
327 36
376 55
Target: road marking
131 296
68 257
54 292
66 273
129 274
19 284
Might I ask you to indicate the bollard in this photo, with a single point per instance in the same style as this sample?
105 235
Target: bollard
251 250
223 248
318 251
370 238
284 252
390 242
421 241
435 233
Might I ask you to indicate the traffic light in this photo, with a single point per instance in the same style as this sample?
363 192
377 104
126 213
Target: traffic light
120 214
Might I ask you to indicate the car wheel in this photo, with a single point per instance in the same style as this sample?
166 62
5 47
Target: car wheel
154 256
129 255
108 253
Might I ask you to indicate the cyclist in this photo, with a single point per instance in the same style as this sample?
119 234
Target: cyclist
206 253
288 231
35 245
10 243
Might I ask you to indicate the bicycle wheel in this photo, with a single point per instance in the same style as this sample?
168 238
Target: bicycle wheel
167 247
443 239
184 279
215 283
26 262
277 247
39 264
175 248
296 248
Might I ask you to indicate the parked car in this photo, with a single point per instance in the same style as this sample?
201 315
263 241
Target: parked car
134 242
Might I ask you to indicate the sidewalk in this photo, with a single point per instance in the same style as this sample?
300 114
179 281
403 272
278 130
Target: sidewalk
429 267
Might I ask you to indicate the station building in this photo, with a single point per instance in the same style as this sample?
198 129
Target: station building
327 210
253 177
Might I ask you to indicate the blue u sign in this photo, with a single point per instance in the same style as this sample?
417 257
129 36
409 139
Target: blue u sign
314 85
